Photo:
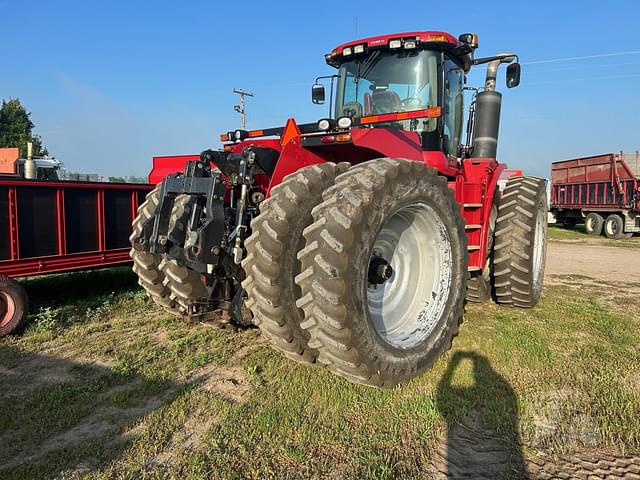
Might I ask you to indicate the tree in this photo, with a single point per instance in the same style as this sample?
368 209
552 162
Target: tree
16 128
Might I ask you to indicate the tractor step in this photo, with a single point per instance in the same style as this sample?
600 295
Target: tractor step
472 205
472 227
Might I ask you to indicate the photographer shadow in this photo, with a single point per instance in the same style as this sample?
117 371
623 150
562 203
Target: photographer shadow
483 435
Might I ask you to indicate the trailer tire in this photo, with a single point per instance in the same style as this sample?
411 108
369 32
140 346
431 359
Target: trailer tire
147 265
521 243
271 263
593 223
187 286
387 335
14 306
614 227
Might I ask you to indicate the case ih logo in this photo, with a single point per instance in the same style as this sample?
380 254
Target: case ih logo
376 42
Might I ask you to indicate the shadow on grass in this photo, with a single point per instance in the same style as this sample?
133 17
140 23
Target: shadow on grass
60 289
59 415
483 437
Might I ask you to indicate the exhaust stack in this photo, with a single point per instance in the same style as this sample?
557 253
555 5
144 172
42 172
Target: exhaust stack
488 107
30 170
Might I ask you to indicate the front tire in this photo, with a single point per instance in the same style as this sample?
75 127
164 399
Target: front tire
147 265
271 263
521 242
384 272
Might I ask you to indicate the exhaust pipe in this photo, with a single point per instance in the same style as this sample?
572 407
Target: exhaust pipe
488 107
30 170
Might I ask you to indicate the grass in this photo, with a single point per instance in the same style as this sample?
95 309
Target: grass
578 234
102 384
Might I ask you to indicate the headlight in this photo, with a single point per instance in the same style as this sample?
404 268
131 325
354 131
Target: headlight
358 49
324 124
410 44
344 122
347 51
395 44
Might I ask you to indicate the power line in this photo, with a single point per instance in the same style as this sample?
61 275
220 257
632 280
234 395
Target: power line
584 57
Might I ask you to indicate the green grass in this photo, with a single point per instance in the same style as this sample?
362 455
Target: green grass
102 384
578 234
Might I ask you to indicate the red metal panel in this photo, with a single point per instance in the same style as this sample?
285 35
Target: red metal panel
168 164
62 262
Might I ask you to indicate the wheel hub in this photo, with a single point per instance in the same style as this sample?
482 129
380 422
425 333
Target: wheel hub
380 270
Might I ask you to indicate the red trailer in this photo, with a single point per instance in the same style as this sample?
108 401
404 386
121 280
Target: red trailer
602 191
59 226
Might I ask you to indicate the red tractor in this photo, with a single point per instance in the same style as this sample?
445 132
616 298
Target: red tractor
355 240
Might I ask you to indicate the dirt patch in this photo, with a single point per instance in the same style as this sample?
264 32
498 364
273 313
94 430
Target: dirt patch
103 423
605 263
230 383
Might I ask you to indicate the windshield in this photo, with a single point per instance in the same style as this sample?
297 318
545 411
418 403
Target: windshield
389 82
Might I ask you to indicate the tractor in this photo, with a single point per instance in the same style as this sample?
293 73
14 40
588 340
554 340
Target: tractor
354 241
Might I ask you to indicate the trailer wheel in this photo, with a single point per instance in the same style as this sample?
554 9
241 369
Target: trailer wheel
614 227
14 305
145 264
384 272
271 263
521 242
593 223
187 287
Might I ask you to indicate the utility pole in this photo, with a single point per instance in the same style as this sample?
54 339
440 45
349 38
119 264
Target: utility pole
241 109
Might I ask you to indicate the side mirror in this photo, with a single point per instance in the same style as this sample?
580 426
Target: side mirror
317 94
513 75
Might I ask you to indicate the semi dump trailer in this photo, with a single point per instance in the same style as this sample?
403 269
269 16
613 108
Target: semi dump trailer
58 226
601 191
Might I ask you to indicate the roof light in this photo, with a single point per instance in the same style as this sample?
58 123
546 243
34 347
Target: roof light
437 38
347 51
224 137
395 44
358 49
343 137
344 122
410 44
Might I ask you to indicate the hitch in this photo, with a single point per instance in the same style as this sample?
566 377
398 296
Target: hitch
201 245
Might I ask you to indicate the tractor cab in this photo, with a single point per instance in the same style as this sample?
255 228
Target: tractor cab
412 82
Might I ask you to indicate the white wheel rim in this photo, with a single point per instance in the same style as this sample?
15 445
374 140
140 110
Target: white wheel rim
406 308
538 245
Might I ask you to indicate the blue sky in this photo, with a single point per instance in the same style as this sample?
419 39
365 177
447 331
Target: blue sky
111 84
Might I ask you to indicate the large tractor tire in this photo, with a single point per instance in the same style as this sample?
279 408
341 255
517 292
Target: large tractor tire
14 305
521 242
271 263
479 288
186 286
593 223
147 265
384 272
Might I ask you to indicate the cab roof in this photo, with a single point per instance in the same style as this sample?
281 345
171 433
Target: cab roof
431 39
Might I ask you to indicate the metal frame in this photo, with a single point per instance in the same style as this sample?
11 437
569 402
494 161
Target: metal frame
62 261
